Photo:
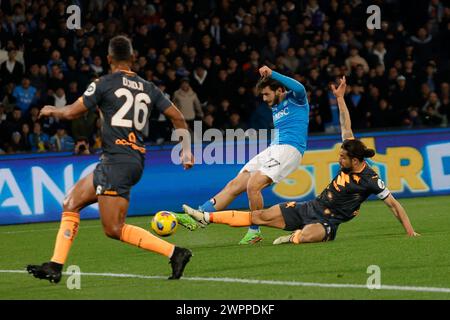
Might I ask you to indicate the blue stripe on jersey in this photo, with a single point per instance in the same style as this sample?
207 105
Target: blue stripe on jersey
291 119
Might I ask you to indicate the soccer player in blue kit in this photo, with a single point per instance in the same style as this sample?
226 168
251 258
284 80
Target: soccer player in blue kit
290 109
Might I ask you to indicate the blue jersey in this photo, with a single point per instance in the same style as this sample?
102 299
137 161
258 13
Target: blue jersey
291 116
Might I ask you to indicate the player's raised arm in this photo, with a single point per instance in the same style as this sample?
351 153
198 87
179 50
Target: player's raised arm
289 83
178 121
344 116
400 213
69 112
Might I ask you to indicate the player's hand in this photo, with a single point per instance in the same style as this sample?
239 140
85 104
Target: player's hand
339 92
265 72
187 159
414 234
47 111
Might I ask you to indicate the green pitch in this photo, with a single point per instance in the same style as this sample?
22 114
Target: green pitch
373 238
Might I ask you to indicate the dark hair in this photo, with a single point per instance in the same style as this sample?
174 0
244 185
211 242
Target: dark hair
356 149
269 82
120 48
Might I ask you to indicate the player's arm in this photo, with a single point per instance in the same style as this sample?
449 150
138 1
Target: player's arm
69 112
400 213
344 116
289 83
179 123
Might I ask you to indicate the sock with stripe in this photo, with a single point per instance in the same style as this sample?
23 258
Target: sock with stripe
68 229
232 218
208 206
141 238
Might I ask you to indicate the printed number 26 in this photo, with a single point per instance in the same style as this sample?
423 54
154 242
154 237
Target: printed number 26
141 102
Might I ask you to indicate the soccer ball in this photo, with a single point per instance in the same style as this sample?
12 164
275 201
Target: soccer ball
164 223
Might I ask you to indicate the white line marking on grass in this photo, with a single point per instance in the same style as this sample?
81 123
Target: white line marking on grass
266 282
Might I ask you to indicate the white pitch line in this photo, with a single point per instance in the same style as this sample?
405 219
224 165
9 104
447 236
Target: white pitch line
254 281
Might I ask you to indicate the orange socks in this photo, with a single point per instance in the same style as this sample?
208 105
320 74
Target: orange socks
143 239
68 229
232 218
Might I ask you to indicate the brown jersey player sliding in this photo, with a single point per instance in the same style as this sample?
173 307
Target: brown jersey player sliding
318 220
124 101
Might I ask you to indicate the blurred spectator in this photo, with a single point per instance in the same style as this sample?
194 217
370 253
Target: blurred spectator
201 83
58 98
355 59
11 70
383 116
187 101
25 137
403 97
55 60
25 94
61 141
82 147
39 140
9 101
3 124
15 143
14 121
234 122
37 79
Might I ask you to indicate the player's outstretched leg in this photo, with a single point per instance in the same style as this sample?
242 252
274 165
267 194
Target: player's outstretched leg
81 195
231 217
219 202
113 211
309 234
186 221
257 182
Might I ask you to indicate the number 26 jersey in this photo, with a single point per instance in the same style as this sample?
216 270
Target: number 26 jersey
124 100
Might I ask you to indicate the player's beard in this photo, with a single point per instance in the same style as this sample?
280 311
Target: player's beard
276 99
346 170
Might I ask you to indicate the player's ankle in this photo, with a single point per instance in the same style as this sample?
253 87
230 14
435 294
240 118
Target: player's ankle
56 266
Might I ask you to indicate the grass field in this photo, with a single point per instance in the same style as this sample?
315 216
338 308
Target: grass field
284 272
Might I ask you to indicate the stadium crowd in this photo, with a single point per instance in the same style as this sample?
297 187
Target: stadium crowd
205 55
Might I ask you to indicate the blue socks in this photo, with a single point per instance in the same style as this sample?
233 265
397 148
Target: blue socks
208 206
253 228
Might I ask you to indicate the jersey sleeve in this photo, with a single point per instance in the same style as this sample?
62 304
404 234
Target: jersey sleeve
159 100
93 94
378 187
299 92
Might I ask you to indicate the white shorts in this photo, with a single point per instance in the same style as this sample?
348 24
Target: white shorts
276 162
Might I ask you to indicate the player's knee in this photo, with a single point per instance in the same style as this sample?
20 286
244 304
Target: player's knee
313 235
253 190
234 187
259 217
113 231
69 204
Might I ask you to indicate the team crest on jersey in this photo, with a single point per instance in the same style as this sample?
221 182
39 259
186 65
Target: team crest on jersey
281 113
99 190
90 90
381 184
291 204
